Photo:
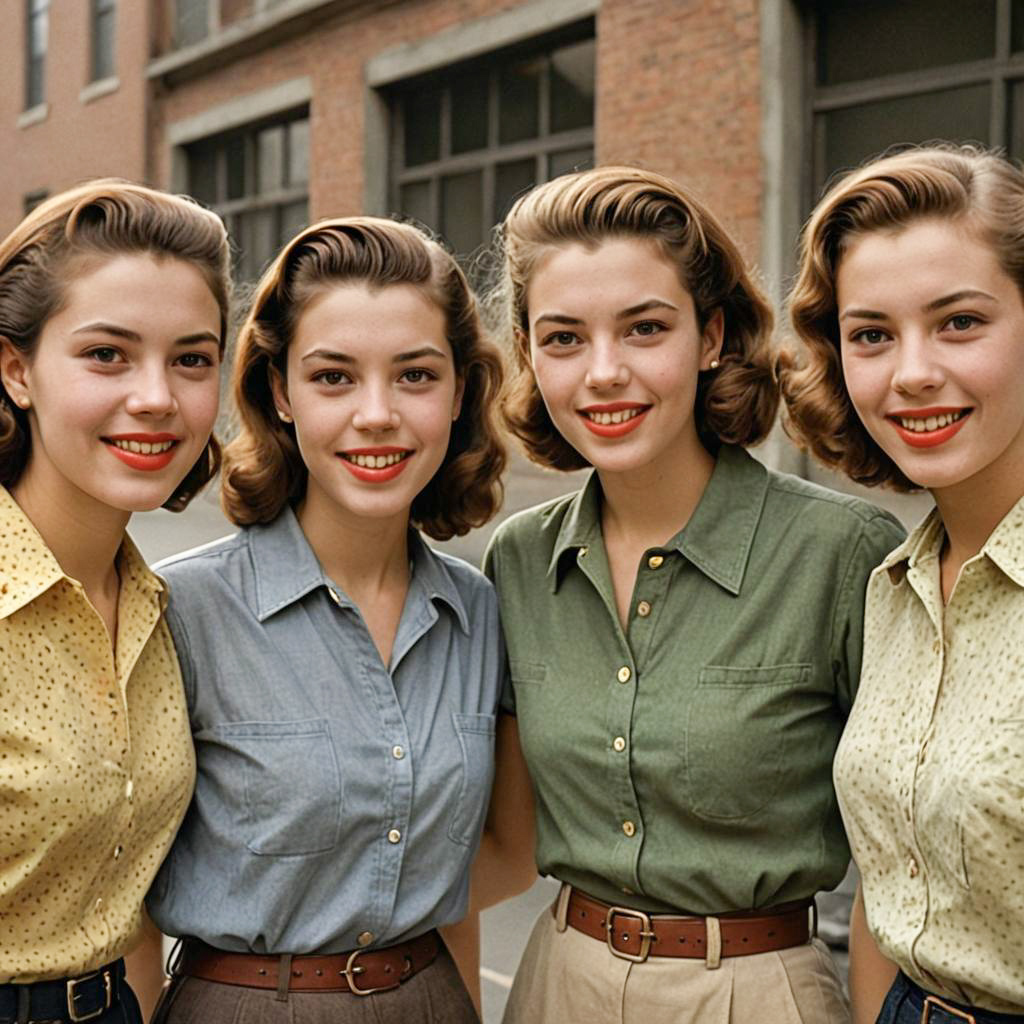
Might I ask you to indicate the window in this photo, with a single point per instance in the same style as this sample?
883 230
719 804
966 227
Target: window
915 71
37 35
467 142
103 19
257 179
191 21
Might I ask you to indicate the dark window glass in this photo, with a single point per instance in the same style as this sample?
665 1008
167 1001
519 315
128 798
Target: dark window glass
511 180
469 111
104 13
414 201
462 220
298 152
572 86
1017 36
570 160
519 101
191 21
1017 121
861 39
270 159
202 174
294 217
234 153
422 127
36 46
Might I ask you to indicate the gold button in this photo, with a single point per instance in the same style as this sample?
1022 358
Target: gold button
334 595
624 674
118 850
394 836
655 561
643 609
912 868
583 551
398 752
364 938
619 744
129 788
629 828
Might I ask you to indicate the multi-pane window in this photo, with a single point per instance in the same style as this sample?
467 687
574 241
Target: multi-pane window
104 14
465 144
191 21
257 179
888 73
37 34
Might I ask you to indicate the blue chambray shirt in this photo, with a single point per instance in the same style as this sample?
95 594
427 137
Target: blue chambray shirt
338 803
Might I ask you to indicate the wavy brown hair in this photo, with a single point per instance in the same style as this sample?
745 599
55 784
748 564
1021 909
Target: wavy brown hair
966 184
736 403
64 236
263 469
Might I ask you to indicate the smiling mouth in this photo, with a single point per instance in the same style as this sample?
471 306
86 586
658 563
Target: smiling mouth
375 461
925 425
606 419
141 447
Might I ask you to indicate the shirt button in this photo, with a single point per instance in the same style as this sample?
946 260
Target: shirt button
364 938
99 906
129 788
912 868
619 744
583 551
629 828
643 609
118 850
394 836
334 595
655 561
624 674
398 752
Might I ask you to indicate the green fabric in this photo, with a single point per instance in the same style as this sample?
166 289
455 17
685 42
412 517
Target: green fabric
740 680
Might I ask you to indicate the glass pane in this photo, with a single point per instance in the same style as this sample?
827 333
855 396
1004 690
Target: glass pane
191 21
860 39
35 85
257 240
1017 121
294 217
298 152
422 112
853 135
519 101
414 201
202 174
469 111
39 29
235 150
570 160
462 210
270 159
511 180
1017 35
572 87
103 45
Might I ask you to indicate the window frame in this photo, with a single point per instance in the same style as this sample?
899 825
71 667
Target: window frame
36 10
100 10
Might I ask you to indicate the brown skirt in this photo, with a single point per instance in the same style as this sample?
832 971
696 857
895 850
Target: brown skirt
435 995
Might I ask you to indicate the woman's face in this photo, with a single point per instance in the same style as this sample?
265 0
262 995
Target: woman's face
932 343
616 349
121 391
373 391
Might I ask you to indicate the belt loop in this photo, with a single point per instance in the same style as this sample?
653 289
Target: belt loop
284 977
713 943
24 1003
562 907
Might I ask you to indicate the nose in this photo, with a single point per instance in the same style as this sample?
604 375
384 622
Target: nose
606 368
152 394
376 411
917 369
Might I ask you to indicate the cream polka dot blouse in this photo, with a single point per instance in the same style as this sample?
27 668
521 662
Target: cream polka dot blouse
96 763
930 770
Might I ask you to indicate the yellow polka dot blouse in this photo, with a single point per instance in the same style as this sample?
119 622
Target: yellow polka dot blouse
930 771
96 763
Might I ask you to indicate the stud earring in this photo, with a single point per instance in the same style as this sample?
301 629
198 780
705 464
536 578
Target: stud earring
283 417
715 364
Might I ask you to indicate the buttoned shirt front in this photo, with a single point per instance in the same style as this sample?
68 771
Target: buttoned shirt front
684 763
96 765
931 768
339 801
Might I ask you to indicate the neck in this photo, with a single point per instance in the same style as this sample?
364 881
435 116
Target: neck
969 517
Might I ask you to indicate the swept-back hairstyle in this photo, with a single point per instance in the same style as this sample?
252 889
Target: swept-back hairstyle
736 403
965 184
65 236
263 466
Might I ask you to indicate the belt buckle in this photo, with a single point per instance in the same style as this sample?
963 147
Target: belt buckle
73 983
350 972
646 934
934 1002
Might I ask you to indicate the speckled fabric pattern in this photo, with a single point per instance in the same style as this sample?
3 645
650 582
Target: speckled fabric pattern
930 771
96 763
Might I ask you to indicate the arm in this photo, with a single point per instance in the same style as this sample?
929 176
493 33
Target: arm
871 974
463 942
144 966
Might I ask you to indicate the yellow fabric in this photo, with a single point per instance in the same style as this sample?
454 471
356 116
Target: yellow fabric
930 771
96 763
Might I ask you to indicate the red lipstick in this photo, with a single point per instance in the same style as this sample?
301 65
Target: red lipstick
929 438
374 474
620 429
149 462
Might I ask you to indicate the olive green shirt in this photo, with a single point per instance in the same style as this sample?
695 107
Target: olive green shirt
686 763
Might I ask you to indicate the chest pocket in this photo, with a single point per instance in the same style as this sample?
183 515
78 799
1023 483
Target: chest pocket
735 741
290 783
476 742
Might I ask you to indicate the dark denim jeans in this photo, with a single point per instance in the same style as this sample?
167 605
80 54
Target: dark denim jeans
905 1005
47 1001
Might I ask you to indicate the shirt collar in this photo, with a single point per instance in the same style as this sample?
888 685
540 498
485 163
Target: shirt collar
719 535
286 569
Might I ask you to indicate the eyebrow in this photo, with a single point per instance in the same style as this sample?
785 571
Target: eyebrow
123 332
930 307
333 356
640 307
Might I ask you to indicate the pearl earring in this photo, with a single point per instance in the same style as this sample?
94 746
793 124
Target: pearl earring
715 364
283 417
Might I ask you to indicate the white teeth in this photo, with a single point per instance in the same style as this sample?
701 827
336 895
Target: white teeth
929 423
376 461
143 447
605 419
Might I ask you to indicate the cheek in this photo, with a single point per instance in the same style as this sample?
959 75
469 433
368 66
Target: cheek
200 402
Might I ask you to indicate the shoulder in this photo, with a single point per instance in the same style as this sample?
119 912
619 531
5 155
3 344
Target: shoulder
204 566
533 529
472 585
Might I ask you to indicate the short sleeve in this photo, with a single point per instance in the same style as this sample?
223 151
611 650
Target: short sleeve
181 646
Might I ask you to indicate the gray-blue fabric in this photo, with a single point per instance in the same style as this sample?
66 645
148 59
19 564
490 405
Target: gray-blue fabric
310 751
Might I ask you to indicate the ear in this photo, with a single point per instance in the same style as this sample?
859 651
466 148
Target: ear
460 391
279 389
15 373
712 338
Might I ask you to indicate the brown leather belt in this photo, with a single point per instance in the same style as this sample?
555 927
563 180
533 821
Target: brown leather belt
360 972
635 935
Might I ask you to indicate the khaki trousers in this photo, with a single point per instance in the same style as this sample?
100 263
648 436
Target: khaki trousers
570 978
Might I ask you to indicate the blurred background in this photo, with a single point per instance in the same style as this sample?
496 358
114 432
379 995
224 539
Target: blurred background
278 112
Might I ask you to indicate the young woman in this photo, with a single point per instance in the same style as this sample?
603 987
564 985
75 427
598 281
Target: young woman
683 633
910 303
342 677
113 303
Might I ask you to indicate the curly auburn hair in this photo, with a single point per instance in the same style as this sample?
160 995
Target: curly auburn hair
63 237
967 184
263 469
736 403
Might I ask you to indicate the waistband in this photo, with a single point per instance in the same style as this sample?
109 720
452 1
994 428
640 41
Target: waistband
360 972
939 1010
81 998
636 935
